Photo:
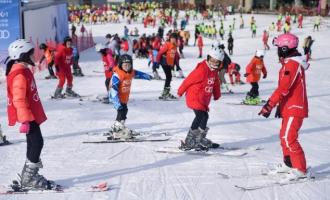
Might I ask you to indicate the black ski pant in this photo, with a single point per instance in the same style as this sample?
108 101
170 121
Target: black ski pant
50 69
254 92
200 121
122 113
168 75
107 83
34 142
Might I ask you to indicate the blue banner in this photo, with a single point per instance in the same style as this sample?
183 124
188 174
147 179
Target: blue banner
9 25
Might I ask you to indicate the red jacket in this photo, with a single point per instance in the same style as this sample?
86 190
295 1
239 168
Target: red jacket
64 58
291 91
156 44
108 63
24 104
199 87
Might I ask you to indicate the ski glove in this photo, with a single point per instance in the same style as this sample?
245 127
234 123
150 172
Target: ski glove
266 109
246 75
265 76
24 128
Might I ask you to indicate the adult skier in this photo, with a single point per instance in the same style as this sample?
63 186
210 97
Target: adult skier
292 106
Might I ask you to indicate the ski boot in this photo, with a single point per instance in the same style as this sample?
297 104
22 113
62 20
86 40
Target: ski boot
77 72
193 141
119 131
166 94
70 93
58 93
207 142
30 178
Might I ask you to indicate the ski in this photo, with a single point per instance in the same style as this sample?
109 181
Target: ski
101 187
274 184
210 152
245 104
5 143
142 137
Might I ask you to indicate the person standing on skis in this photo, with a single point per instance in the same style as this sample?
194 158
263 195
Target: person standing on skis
290 97
253 74
199 86
24 107
63 62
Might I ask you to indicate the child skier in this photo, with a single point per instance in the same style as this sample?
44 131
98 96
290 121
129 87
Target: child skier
167 56
200 45
48 54
233 70
75 64
230 44
24 106
291 98
200 85
63 62
308 42
300 20
108 62
120 87
252 74
265 38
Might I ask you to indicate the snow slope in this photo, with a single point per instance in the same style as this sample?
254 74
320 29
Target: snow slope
135 170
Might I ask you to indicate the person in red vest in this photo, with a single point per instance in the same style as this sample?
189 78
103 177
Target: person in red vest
48 54
63 62
24 107
120 89
200 45
253 74
167 57
199 86
291 98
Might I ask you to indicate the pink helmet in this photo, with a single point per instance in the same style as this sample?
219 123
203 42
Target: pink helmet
287 40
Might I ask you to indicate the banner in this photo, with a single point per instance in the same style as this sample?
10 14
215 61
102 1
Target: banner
9 25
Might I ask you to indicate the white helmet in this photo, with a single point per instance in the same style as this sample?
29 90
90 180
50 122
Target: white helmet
260 53
217 53
99 47
19 47
217 44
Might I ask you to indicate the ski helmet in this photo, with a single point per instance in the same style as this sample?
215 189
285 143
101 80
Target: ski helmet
43 46
125 58
286 43
19 48
260 53
217 54
67 39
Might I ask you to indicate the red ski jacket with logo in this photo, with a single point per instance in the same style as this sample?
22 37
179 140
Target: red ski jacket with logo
200 85
291 94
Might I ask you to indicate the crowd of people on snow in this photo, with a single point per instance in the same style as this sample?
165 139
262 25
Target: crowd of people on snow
165 51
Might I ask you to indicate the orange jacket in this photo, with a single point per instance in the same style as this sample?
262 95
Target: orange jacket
170 51
125 84
254 69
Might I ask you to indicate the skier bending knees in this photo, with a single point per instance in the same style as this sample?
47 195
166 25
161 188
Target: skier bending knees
120 89
204 76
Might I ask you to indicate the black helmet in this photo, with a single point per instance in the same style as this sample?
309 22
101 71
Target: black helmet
108 36
67 39
125 58
43 46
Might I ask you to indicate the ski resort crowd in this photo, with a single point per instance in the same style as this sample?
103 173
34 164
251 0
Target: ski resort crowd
164 50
